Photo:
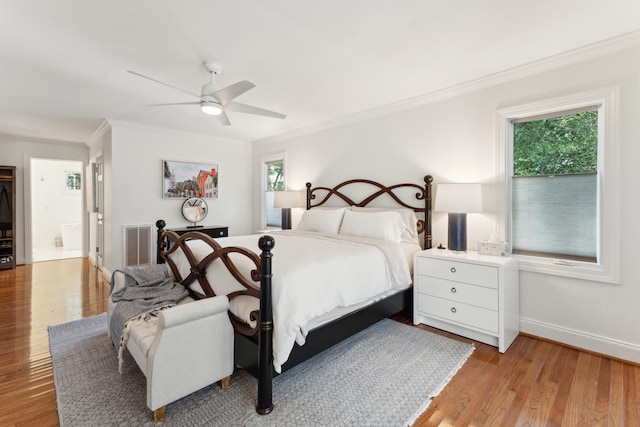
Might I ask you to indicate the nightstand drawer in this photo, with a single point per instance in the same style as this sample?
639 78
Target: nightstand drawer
458 312
219 232
482 275
213 231
479 296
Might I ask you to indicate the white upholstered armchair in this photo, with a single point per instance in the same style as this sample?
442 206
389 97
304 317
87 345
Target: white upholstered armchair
188 347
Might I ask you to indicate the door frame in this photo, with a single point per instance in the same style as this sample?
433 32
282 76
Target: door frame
28 190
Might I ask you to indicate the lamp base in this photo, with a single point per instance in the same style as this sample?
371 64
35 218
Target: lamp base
458 232
286 218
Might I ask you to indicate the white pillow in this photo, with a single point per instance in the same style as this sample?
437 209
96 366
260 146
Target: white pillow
409 219
321 220
374 225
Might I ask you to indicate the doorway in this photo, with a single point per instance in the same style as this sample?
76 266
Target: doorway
57 227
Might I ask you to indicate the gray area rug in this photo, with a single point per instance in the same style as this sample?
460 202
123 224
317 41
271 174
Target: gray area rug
384 376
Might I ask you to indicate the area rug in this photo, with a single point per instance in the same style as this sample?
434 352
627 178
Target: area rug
385 375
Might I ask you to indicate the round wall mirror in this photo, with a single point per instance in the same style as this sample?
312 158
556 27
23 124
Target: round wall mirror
194 210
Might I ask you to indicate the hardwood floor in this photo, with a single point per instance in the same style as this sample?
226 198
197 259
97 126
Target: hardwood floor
31 298
536 383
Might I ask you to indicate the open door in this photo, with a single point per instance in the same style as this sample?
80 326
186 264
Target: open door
99 203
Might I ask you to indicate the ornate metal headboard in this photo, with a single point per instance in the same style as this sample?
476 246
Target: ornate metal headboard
423 194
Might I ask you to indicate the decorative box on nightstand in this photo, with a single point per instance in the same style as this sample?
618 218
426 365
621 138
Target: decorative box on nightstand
476 296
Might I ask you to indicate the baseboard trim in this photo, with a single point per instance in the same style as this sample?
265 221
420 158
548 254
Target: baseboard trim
605 346
106 273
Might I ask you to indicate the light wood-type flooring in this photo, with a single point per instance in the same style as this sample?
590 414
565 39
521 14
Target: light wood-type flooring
31 298
536 383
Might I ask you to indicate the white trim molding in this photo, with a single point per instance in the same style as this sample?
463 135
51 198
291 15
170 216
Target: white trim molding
607 269
585 53
166 130
579 339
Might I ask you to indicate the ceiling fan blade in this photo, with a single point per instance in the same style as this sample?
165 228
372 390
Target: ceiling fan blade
175 103
162 83
228 93
250 109
224 119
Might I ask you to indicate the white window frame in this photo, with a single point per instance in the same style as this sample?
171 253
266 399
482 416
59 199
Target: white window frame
607 269
263 181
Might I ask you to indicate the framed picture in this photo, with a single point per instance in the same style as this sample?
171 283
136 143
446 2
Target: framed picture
181 180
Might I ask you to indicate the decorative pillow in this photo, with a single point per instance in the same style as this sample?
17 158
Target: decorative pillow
322 220
374 225
409 219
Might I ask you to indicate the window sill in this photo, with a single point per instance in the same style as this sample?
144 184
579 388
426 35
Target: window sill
268 229
572 269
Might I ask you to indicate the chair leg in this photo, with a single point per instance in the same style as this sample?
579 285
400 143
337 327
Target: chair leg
158 414
224 383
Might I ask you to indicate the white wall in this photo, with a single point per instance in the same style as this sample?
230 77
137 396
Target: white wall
18 151
133 180
133 172
454 140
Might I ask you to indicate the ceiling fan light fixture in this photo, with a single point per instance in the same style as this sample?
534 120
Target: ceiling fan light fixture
211 108
217 101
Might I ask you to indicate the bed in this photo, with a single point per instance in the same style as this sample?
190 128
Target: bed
346 266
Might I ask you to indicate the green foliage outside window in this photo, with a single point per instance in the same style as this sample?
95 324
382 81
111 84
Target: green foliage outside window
74 181
561 145
275 176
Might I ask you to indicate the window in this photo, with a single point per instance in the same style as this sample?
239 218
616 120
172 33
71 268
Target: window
559 209
554 185
74 181
273 180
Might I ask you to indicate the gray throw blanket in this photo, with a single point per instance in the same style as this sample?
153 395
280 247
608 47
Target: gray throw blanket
146 289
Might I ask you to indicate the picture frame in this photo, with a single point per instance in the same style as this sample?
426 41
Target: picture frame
182 180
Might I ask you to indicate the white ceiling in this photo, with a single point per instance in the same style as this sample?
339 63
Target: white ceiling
63 63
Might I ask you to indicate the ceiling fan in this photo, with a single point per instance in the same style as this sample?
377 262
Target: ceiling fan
217 101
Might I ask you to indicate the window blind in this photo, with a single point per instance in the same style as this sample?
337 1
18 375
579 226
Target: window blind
273 215
556 216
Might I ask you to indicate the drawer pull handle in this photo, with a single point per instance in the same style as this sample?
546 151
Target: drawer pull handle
453 309
454 290
453 269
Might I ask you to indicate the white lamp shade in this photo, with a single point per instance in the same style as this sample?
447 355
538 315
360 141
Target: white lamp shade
288 199
459 198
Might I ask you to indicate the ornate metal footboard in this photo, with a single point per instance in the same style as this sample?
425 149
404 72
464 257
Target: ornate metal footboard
169 243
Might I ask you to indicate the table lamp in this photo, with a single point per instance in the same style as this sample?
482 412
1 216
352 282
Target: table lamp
458 200
286 200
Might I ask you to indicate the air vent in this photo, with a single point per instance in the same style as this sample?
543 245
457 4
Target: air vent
137 245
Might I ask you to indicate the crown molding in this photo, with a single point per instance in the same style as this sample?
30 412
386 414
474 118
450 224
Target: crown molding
585 53
102 129
36 139
179 132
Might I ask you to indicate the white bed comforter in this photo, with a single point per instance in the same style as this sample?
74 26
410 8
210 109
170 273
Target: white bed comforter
313 273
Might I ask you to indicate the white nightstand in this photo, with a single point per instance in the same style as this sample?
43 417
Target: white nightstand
476 296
